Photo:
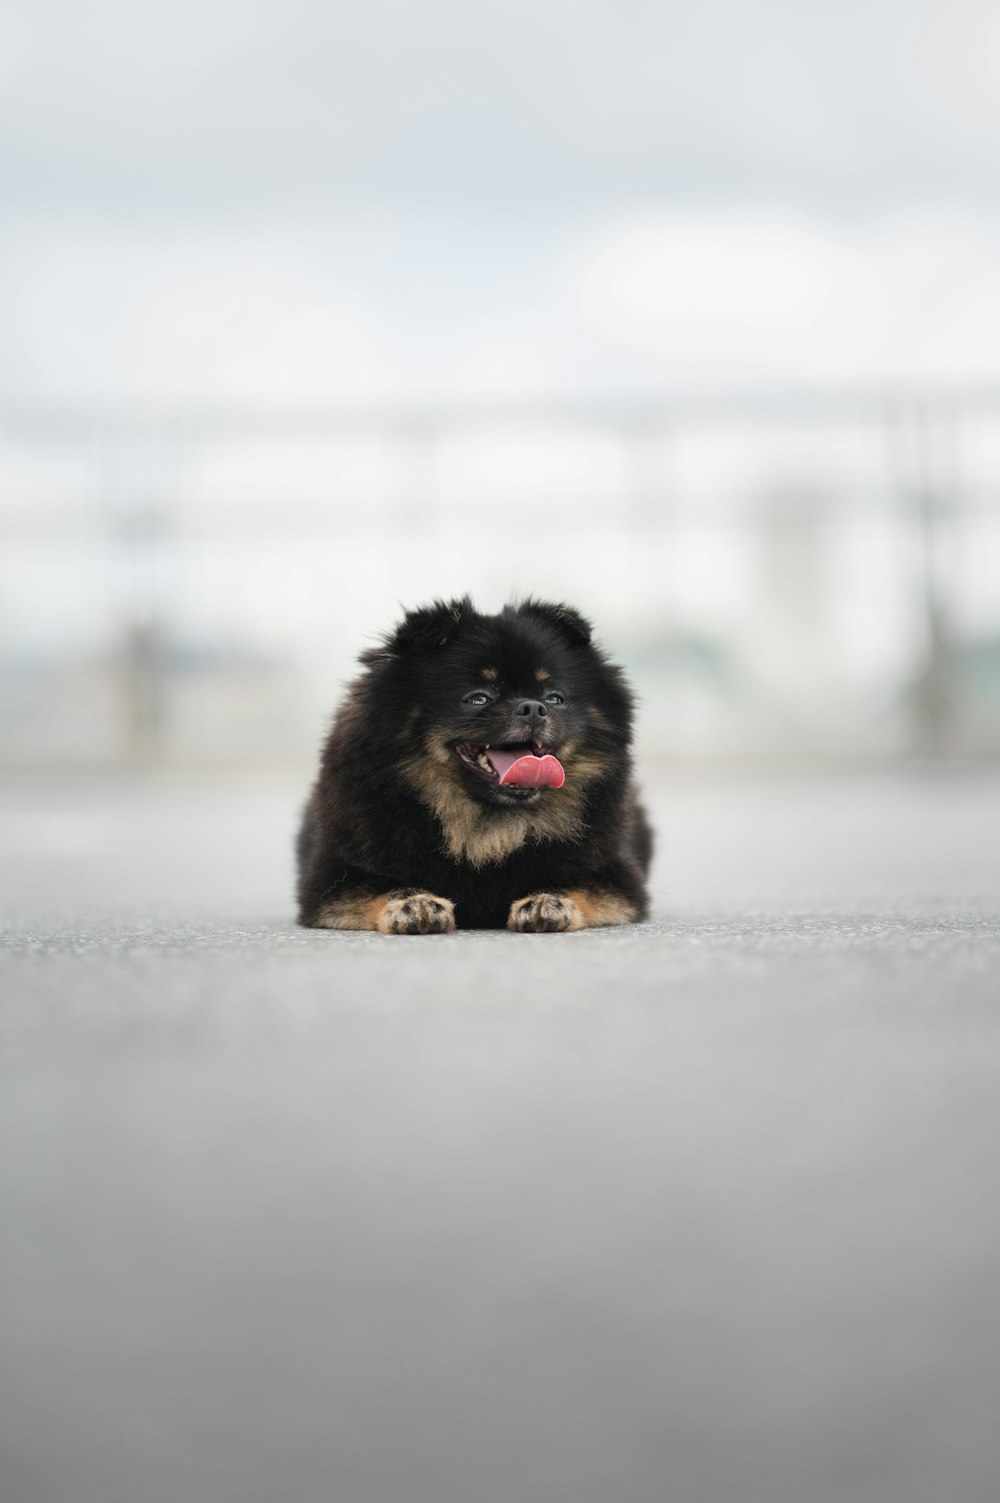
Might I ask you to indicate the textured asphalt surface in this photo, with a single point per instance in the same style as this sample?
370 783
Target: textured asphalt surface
705 1211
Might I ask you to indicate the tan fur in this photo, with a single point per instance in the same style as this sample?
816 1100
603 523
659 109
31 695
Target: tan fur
566 912
409 725
587 766
350 912
491 673
542 675
482 836
583 765
599 909
389 913
472 831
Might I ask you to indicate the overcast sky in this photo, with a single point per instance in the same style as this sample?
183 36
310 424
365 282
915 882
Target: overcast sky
300 202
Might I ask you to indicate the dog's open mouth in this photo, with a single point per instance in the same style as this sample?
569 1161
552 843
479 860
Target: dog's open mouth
519 767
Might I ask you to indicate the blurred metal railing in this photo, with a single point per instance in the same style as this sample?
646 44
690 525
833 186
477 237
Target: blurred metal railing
126 479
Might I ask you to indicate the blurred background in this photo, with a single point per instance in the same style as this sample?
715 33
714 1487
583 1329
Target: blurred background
309 312
686 314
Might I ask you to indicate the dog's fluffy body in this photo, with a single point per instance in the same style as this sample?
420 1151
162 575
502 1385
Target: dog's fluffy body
410 830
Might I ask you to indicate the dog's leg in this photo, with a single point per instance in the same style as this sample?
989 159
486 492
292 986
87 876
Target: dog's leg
580 908
403 911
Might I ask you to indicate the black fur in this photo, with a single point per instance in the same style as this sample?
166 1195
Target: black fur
393 803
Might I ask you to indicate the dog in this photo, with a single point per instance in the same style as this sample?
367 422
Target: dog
478 776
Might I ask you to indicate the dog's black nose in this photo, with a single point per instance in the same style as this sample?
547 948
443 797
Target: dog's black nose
531 710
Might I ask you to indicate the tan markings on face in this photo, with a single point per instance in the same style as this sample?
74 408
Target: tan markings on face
583 764
598 909
542 675
600 720
492 674
588 766
479 833
409 724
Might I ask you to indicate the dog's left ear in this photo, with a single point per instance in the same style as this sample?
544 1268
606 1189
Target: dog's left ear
563 617
429 626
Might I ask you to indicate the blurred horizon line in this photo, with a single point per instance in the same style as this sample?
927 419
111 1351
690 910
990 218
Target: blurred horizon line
806 402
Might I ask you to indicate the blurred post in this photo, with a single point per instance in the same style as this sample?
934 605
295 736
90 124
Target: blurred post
935 685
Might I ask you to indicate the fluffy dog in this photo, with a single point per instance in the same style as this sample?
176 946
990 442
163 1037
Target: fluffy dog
478 775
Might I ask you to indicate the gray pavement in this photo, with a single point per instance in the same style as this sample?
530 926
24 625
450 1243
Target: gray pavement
704 1210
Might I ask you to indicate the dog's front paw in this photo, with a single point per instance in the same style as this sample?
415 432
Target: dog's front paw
544 913
417 913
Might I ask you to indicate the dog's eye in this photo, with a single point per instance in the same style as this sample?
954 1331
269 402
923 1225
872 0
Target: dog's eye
479 698
554 699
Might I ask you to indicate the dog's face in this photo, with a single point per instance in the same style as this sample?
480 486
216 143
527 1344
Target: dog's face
517 713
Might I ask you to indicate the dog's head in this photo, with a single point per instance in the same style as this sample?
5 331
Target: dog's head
517 714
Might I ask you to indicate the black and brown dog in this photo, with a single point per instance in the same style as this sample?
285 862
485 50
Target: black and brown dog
478 775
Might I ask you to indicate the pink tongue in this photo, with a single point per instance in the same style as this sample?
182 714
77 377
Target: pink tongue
527 771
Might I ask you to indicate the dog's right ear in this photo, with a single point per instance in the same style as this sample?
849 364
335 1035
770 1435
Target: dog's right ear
576 628
428 627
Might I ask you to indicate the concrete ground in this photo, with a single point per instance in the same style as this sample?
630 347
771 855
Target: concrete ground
705 1211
